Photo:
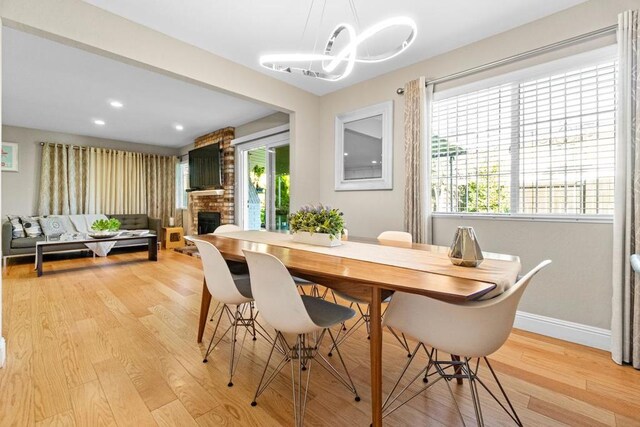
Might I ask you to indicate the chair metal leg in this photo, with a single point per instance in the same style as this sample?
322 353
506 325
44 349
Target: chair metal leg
299 357
262 384
474 392
461 368
342 336
348 383
215 311
513 414
390 400
365 316
457 368
234 331
213 336
314 291
253 320
300 391
455 402
363 319
402 339
236 319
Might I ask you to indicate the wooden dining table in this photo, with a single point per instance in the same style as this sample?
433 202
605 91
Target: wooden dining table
369 281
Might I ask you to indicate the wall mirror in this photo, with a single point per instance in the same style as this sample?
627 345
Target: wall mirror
364 149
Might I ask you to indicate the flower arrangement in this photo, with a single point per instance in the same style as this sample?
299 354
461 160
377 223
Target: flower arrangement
317 219
111 224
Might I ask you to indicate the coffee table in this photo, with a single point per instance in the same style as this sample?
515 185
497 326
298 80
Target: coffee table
152 242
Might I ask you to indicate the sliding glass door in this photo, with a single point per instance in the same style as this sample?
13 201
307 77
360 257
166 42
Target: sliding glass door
263 181
281 181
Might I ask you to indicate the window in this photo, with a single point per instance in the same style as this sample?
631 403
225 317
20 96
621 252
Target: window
182 183
541 145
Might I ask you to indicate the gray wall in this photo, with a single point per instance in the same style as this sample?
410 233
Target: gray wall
20 189
576 287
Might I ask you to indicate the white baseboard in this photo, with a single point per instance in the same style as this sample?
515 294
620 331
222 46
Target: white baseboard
3 352
564 330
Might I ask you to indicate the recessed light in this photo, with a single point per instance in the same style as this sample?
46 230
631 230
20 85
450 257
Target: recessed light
179 127
116 104
346 154
99 122
374 162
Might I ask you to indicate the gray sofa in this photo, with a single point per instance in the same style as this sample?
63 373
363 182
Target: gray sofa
25 246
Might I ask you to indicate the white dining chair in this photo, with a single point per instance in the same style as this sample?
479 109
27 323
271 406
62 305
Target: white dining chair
363 306
239 267
308 318
396 236
227 228
233 294
473 329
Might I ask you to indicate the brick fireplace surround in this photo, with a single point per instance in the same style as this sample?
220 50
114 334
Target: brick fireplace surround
225 205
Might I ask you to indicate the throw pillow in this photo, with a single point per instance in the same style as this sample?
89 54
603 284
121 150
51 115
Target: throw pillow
53 226
31 226
17 230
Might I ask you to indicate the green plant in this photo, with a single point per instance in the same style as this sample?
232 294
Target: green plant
111 224
486 194
258 171
317 219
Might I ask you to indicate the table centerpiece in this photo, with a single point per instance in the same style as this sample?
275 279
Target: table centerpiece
317 225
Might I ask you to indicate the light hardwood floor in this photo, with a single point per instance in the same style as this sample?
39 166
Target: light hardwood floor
112 341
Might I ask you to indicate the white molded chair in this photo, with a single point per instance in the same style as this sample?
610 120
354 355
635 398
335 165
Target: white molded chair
363 319
396 236
227 228
308 318
233 294
230 228
473 329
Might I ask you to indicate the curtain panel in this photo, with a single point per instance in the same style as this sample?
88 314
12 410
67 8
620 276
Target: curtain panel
160 179
105 181
625 322
417 204
117 182
63 180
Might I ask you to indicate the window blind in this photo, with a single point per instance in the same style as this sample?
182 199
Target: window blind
536 146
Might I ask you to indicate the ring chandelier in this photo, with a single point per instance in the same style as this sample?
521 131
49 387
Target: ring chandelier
324 66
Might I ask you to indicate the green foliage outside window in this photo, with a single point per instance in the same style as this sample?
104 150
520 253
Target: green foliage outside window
486 194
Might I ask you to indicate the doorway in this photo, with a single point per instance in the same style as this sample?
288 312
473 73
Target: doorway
264 181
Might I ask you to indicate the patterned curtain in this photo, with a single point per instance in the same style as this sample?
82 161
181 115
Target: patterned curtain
160 176
417 160
625 322
105 181
63 180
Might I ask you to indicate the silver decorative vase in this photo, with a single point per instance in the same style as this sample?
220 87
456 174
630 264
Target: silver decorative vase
465 250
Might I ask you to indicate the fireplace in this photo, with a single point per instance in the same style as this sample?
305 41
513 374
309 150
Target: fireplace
224 205
208 222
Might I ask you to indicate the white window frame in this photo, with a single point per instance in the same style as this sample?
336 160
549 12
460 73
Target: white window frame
184 189
584 59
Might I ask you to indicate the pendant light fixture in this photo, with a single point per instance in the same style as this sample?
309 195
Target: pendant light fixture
334 66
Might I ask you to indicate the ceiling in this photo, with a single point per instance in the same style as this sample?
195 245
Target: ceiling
54 87
242 30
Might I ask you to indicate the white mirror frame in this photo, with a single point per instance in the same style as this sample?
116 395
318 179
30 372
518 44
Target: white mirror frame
386 181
